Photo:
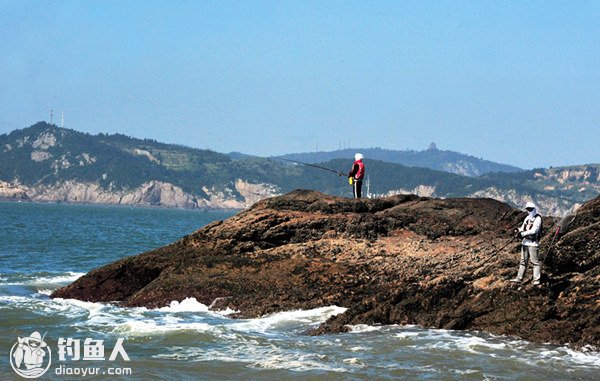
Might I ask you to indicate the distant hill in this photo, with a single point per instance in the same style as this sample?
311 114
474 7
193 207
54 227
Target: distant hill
47 163
433 158
238 155
575 184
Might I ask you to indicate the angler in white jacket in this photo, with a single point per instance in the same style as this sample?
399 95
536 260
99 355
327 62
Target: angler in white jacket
531 232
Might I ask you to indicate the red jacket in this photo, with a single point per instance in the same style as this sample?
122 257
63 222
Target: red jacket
358 170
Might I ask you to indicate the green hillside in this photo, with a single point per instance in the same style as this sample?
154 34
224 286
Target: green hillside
45 155
432 158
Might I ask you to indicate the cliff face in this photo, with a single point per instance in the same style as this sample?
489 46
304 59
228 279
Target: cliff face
551 206
151 193
396 260
12 192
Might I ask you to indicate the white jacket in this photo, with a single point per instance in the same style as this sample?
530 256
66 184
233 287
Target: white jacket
530 227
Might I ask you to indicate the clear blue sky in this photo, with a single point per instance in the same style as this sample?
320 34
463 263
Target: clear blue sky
516 82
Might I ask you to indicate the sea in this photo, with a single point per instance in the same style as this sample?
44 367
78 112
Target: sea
46 246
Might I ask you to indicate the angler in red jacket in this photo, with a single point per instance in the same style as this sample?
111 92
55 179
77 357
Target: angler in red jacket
357 174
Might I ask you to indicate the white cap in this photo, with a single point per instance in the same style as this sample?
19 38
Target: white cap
358 156
530 205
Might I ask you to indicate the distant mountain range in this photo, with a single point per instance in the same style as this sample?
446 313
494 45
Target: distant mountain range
47 163
433 158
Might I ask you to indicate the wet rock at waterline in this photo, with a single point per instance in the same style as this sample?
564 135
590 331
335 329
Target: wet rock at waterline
395 260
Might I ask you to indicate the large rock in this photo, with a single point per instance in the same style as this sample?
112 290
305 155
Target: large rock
396 260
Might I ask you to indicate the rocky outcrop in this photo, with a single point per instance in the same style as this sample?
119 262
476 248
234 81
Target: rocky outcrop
397 260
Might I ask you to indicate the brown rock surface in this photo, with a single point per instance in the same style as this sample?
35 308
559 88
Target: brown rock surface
396 260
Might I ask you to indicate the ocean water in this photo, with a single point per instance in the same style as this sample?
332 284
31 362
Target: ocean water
46 246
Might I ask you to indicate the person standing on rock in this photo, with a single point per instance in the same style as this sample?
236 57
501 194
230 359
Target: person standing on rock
357 174
531 232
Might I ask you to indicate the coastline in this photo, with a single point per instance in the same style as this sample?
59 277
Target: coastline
104 204
150 194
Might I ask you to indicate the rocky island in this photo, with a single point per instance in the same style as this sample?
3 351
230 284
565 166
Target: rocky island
442 263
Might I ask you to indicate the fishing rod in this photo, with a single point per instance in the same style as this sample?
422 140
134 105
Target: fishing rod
314 166
512 241
551 244
559 225
556 232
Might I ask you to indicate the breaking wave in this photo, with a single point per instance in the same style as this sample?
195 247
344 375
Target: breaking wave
39 279
190 331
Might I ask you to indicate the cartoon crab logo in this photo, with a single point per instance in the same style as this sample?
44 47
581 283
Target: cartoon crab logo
28 355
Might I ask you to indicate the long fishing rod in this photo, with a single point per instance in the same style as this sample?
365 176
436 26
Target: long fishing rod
313 165
495 252
559 225
550 246
556 232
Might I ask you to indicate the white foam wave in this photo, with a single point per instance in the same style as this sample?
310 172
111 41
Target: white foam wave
355 361
15 299
257 356
361 328
190 305
243 340
407 334
302 364
565 354
34 280
494 346
277 321
475 344
171 320
143 327
93 308
46 306
141 321
226 312
138 320
186 305
466 372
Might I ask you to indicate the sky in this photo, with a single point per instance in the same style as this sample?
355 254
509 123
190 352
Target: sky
517 82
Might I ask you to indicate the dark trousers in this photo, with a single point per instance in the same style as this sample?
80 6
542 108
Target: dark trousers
357 188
